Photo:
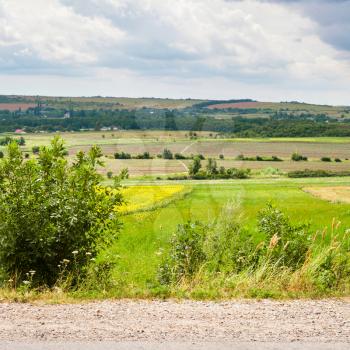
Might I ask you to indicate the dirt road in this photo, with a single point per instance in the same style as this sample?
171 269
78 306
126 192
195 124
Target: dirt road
326 322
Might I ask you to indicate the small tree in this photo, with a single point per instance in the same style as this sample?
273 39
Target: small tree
35 149
195 166
211 167
167 154
53 212
298 157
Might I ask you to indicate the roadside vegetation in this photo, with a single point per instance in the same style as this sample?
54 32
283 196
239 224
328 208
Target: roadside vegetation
68 231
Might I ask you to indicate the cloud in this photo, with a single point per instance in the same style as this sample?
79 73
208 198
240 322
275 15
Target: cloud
251 43
332 17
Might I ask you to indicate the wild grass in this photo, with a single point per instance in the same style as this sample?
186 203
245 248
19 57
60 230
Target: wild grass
146 240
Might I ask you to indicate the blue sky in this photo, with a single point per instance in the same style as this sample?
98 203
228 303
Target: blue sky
267 50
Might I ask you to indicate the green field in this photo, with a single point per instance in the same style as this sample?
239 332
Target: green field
145 236
156 207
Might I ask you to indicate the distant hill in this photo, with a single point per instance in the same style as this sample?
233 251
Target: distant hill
238 117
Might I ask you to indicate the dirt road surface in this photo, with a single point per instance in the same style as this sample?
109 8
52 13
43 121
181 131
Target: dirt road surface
323 324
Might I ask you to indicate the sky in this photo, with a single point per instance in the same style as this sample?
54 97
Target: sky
268 50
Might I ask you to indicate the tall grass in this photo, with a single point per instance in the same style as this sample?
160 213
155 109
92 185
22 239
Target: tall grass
225 261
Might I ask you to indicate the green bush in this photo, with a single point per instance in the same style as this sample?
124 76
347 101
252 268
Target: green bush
186 254
326 159
122 155
144 155
35 149
285 244
54 216
179 156
1 154
167 154
298 157
316 173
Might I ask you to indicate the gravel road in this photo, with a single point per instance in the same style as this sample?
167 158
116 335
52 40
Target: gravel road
326 321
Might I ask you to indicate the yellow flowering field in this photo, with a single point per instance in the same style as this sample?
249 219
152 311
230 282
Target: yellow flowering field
143 197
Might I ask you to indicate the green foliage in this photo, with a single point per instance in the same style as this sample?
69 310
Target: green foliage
287 244
53 215
326 159
1 154
317 173
35 149
109 174
144 155
167 154
122 155
179 156
186 254
195 166
7 140
211 167
298 157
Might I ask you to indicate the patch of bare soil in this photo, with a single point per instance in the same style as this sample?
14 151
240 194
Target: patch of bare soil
330 193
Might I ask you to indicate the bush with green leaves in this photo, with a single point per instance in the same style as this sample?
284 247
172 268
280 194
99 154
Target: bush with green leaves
167 154
53 214
195 166
285 244
186 254
298 157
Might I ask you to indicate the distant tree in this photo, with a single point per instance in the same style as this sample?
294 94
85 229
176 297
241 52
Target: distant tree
298 157
167 154
35 149
195 166
211 167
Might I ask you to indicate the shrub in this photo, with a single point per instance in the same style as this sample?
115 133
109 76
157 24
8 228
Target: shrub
167 154
1 154
186 254
326 159
35 149
144 155
109 174
285 244
221 156
179 156
122 155
195 166
298 157
53 215
211 167
316 173
337 160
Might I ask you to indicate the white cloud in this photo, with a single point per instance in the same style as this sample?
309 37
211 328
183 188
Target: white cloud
237 43
54 33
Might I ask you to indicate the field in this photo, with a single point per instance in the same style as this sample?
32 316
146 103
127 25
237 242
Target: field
16 106
154 206
206 143
145 237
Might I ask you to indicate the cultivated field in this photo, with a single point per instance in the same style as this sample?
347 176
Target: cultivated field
206 143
